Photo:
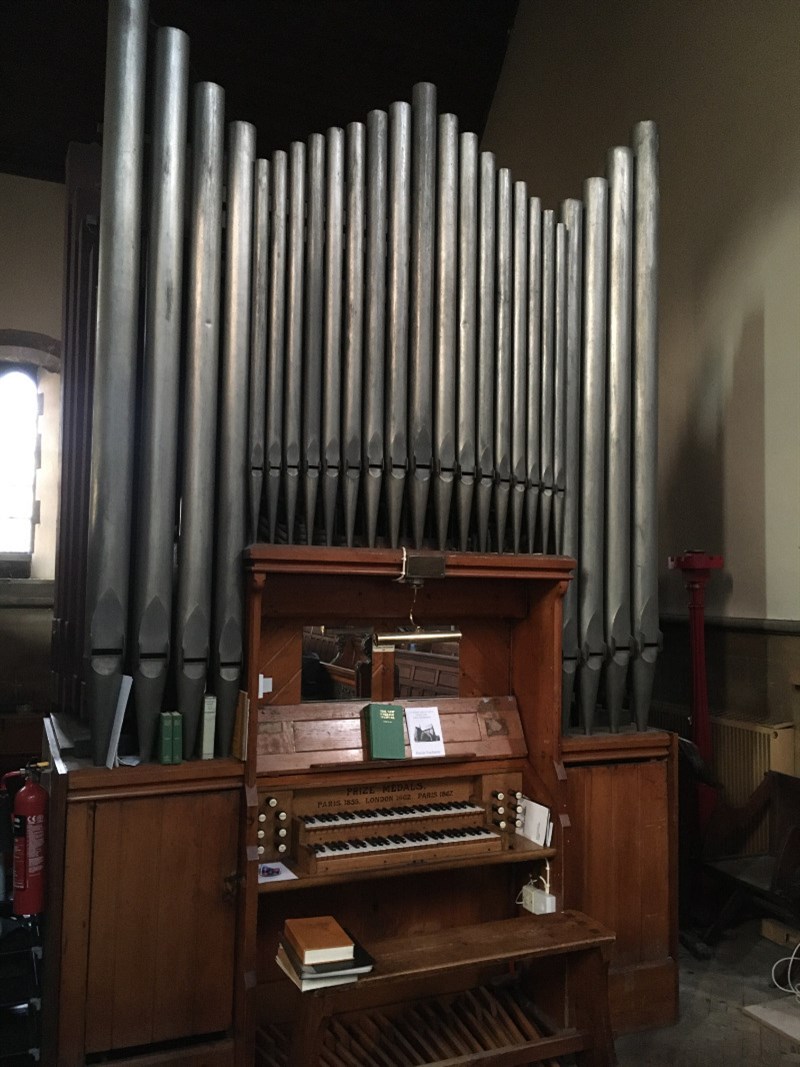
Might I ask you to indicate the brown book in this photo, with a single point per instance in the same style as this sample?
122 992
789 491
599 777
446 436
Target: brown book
318 939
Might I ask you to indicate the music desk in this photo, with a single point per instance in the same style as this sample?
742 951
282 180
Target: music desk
514 991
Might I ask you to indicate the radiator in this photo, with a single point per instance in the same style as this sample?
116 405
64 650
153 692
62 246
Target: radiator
743 752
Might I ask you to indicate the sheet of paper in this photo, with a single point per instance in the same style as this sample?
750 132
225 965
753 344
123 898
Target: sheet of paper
274 872
424 732
535 821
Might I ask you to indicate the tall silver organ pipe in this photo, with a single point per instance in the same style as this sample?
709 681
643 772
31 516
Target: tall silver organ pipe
534 405
644 453
503 367
155 522
258 347
420 358
560 388
397 273
519 362
397 345
591 559
332 340
353 380
547 408
196 538
113 404
572 217
467 317
227 649
293 358
487 259
618 440
444 416
374 374
273 431
312 330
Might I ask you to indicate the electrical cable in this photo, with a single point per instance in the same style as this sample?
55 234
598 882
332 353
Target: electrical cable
791 987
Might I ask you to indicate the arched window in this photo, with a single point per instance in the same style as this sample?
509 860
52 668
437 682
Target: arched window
19 414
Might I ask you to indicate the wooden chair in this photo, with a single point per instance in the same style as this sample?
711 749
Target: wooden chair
771 880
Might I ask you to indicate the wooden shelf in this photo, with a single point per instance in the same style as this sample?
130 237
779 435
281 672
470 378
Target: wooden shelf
449 998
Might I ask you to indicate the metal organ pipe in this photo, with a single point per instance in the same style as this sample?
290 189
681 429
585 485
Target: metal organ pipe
503 366
354 331
293 364
113 404
404 329
534 404
372 439
572 217
548 374
467 333
590 564
332 340
155 519
258 347
273 433
617 604
487 258
196 537
227 648
312 329
519 360
444 441
420 358
560 387
644 453
399 236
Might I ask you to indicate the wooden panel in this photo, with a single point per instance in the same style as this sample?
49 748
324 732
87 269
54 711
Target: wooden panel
178 916
161 948
75 907
281 660
212 1054
213 966
103 940
310 735
620 869
484 662
643 996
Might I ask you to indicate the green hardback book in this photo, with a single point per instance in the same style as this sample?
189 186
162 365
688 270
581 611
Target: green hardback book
165 738
385 733
177 737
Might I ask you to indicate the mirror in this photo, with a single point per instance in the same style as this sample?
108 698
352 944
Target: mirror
337 665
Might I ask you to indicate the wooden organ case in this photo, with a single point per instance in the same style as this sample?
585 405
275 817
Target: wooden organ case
396 849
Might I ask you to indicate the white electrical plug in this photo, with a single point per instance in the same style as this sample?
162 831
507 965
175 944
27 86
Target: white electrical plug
537 901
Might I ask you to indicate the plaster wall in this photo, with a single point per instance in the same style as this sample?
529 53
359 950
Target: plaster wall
722 80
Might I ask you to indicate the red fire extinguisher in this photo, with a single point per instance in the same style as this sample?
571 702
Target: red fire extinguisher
29 823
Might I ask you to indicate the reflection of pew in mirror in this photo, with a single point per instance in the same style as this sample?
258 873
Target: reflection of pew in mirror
428 672
336 664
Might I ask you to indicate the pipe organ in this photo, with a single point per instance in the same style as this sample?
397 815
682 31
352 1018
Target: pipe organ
367 376
376 337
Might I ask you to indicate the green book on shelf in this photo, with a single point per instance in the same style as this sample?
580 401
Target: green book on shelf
177 737
165 738
385 731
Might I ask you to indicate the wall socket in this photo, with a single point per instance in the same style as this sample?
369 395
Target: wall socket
537 901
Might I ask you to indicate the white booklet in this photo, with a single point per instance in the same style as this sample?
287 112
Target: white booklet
424 732
536 824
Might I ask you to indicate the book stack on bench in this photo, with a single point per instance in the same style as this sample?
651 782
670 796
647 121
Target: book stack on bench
317 952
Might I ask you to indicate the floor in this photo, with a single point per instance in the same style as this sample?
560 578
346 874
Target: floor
713 1030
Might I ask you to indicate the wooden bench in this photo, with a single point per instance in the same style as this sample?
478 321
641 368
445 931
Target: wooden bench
512 992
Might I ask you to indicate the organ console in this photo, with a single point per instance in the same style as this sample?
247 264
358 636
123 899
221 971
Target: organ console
397 847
